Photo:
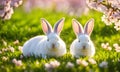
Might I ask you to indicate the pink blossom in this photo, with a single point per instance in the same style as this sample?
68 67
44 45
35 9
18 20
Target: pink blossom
20 48
117 47
92 61
82 62
52 65
6 10
4 58
17 62
69 65
110 10
106 46
16 42
11 49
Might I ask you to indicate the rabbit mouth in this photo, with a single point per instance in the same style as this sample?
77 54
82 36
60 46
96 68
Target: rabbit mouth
54 49
84 50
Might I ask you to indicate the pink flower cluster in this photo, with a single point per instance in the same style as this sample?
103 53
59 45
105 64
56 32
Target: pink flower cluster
117 47
108 47
6 8
52 65
72 7
85 63
110 9
17 62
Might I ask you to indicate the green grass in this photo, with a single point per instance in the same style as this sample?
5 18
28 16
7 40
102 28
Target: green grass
22 26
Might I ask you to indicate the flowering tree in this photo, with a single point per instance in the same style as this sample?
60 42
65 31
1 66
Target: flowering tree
110 9
6 8
71 7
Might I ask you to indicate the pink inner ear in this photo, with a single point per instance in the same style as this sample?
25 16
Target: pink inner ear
89 27
59 25
44 27
77 27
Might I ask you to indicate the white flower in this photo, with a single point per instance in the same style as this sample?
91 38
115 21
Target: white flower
4 58
92 61
0 52
82 62
102 8
103 64
16 42
11 49
69 65
17 62
20 48
117 47
52 65
4 42
106 46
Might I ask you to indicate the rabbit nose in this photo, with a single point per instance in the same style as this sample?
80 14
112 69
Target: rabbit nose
53 46
84 47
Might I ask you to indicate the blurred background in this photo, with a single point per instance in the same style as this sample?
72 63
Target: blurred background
71 7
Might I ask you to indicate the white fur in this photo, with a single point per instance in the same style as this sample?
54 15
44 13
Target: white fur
77 50
40 46
83 39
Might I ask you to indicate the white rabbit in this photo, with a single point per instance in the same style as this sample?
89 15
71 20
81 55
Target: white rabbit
82 46
49 45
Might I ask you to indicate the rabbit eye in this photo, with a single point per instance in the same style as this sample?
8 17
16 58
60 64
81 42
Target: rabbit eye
88 40
47 39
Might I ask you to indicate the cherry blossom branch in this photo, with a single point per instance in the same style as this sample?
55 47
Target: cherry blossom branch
110 9
6 8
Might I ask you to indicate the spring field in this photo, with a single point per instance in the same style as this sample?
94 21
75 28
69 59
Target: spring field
22 26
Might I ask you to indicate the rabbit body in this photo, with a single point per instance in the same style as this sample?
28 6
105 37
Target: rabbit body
77 49
49 45
82 45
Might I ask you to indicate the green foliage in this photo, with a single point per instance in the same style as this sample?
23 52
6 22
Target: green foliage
23 26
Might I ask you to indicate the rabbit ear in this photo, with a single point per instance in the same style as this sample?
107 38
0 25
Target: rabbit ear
89 27
58 26
46 26
77 27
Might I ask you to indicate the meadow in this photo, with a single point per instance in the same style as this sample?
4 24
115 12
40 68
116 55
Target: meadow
22 26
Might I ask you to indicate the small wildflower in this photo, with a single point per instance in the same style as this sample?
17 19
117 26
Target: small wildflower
4 49
52 65
4 58
17 62
103 64
69 65
0 52
106 46
92 61
82 62
16 42
11 49
4 42
117 47
14 60
20 48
